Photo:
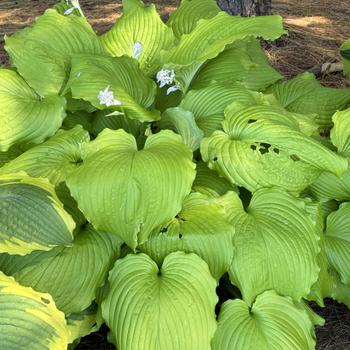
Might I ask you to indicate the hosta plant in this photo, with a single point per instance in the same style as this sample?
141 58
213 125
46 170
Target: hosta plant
164 179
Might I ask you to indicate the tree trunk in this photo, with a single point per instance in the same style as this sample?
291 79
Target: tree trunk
246 7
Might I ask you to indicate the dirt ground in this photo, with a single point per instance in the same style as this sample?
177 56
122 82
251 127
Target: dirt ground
316 30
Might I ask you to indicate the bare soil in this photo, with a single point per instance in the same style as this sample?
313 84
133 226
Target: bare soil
316 30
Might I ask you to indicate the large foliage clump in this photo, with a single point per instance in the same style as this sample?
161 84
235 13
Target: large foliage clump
164 180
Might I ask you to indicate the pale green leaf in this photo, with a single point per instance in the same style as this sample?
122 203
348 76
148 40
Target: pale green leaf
171 307
345 53
129 190
183 123
304 94
329 186
210 36
54 159
263 147
201 227
208 182
328 284
275 245
208 104
92 74
273 322
140 25
31 216
340 133
24 116
71 275
29 320
244 62
184 19
42 53
337 241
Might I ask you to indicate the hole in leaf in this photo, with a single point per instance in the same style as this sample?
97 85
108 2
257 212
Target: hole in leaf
250 121
164 230
264 147
45 301
180 235
294 157
215 159
276 150
253 147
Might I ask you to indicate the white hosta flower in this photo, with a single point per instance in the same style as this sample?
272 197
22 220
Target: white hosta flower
137 50
75 6
106 97
165 77
173 88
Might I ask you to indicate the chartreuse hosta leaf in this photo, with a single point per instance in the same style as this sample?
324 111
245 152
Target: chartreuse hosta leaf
131 191
340 133
273 322
304 94
275 245
202 228
183 123
345 53
329 186
91 75
31 216
208 182
337 241
208 104
139 33
245 62
203 43
328 284
54 159
29 319
42 53
187 15
24 116
171 307
262 147
210 36
71 275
